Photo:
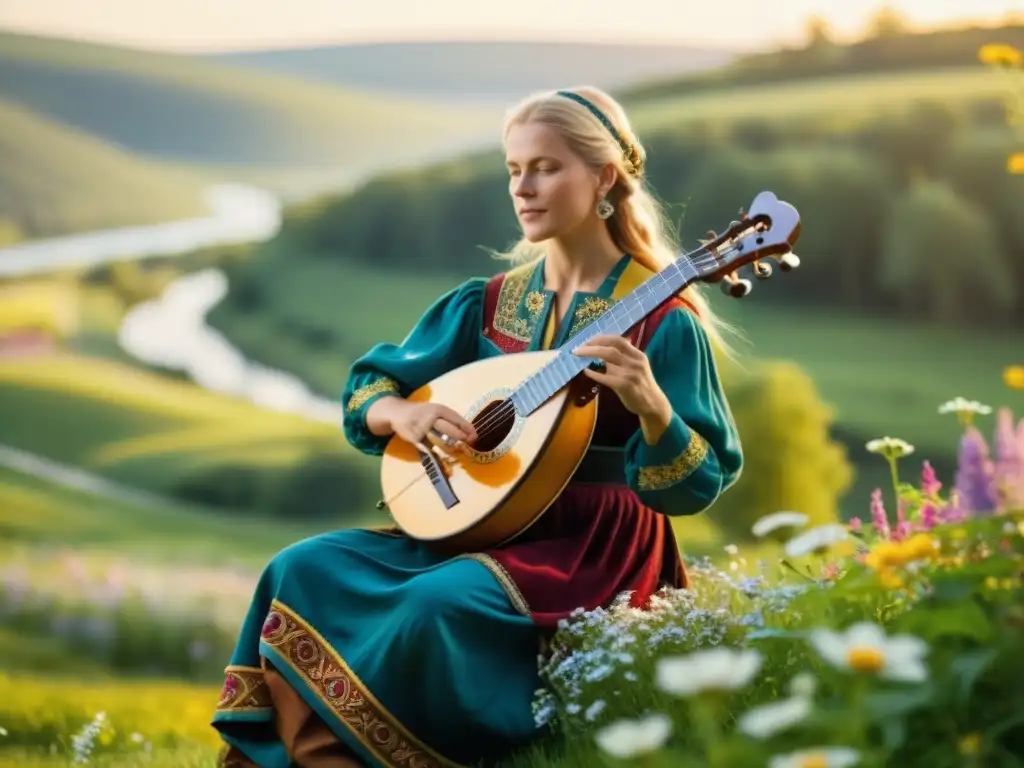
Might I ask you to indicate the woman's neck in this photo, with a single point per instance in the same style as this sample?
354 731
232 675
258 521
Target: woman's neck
580 262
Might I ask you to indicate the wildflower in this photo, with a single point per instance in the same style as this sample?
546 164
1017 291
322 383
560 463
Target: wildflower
879 520
965 410
594 710
930 485
715 669
1013 376
816 540
1008 470
890 447
969 745
1000 55
765 721
1015 165
821 757
3 731
929 517
778 520
629 738
865 648
975 490
855 524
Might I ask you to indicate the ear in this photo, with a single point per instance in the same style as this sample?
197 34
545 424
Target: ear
606 180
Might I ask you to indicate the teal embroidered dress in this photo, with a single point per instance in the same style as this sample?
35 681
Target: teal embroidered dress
417 660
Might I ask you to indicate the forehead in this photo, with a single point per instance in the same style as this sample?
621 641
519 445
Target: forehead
528 141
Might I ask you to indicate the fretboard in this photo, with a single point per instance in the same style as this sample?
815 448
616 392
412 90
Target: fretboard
618 321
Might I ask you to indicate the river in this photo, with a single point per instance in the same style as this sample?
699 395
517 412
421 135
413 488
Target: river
171 331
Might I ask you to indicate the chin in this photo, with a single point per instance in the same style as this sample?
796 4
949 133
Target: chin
537 234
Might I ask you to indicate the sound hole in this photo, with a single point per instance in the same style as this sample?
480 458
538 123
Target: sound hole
493 424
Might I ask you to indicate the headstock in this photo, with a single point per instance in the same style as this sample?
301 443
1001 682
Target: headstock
768 231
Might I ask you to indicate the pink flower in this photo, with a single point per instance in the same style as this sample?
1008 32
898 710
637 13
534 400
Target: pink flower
878 517
855 524
929 517
930 484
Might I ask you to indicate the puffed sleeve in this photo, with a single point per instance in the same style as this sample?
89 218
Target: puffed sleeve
444 338
699 454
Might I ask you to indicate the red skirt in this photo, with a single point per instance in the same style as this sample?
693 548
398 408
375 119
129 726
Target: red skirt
593 543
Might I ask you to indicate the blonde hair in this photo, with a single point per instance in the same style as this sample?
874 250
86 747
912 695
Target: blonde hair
638 226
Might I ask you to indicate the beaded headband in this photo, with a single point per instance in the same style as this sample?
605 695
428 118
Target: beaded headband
628 150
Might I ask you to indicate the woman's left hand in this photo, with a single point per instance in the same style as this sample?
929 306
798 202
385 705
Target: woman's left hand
627 372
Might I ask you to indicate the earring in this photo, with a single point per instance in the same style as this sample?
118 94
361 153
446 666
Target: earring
605 209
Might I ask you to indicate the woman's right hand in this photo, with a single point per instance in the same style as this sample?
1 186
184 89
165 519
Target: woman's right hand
414 421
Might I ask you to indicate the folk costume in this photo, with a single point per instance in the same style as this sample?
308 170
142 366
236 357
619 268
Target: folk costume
411 659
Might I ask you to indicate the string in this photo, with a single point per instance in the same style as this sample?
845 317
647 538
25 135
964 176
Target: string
493 420
697 258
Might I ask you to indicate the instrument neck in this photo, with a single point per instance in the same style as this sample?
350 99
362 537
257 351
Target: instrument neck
623 316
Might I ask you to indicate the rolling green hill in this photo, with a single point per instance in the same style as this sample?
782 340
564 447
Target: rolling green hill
55 180
193 110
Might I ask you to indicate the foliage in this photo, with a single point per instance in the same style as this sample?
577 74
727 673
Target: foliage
790 460
902 650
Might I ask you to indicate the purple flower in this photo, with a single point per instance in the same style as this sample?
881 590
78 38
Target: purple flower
879 520
975 486
930 485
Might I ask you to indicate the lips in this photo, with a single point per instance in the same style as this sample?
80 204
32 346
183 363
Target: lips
531 212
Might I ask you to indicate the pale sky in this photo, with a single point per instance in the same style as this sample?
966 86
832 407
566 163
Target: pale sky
221 24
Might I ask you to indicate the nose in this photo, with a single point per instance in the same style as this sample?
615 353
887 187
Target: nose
523 186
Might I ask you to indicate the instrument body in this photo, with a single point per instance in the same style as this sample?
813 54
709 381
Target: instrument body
535 413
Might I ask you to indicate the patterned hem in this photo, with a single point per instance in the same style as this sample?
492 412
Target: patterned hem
322 669
504 578
244 690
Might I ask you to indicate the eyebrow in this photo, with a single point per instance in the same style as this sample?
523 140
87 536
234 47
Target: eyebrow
539 159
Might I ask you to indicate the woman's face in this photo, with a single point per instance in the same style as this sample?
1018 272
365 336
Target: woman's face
553 191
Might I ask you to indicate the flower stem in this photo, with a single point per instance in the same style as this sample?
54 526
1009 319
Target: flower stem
895 481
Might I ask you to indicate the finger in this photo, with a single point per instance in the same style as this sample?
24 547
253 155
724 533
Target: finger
456 419
608 354
606 379
449 431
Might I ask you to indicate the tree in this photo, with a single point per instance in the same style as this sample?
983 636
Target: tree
942 258
818 31
887 22
790 461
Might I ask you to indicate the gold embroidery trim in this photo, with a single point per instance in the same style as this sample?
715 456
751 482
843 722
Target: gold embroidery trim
337 686
244 690
510 297
364 393
665 475
591 308
505 580
534 302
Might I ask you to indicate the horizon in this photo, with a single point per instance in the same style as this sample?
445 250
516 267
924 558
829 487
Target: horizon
226 26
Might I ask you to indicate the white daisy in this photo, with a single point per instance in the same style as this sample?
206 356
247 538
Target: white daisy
822 757
961 406
890 447
714 669
768 719
864 647
817 539
629 738
770 523
803 684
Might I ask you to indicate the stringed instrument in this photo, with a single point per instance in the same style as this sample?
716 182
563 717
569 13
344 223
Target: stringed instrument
535 413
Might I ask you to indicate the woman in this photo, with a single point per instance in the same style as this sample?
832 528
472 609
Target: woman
363 647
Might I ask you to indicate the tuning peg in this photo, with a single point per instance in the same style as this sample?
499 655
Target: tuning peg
762 270
789 261
736 287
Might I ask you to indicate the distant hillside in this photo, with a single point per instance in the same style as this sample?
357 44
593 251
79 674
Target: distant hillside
55 180
200 111
954 48
481 71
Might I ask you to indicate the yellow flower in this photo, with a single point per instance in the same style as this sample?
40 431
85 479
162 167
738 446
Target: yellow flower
1000 55
1015 163
969 744
1014 376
